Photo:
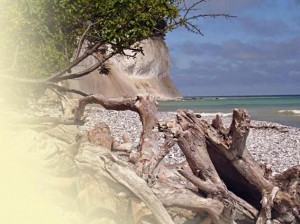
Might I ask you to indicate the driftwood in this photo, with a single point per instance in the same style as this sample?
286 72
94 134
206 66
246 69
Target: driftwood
221 168
146 107
273 127
218 183
138 186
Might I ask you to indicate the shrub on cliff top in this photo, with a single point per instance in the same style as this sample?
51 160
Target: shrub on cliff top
44 39
45 33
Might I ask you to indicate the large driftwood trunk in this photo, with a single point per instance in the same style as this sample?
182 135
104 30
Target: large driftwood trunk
223 168
231 185
146 107
218 183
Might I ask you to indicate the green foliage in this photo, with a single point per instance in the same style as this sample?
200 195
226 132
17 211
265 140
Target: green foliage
44 33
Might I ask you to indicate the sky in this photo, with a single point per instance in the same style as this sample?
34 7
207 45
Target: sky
256 53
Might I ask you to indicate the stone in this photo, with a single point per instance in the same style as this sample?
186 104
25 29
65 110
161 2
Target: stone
170 124
266 145
116 143
127 147
126 139
101 135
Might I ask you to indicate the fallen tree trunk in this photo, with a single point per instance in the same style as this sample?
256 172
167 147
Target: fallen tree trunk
222 167
221 163
222 183
146 107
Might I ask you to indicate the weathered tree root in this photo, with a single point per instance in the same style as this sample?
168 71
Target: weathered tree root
122 174
220 162
222 168
146 107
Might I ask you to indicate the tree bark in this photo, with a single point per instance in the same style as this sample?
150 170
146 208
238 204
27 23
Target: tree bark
146 107
219 179
218 155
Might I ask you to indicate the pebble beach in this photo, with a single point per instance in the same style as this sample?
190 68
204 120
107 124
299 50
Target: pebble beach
278 147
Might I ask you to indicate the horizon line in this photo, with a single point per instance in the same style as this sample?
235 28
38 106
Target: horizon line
240 95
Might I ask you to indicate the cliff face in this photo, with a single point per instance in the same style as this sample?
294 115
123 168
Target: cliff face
148 73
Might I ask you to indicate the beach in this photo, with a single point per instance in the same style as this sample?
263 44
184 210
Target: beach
52 158
278 145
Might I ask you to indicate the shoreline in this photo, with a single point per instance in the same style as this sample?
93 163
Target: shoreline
280 149
276 109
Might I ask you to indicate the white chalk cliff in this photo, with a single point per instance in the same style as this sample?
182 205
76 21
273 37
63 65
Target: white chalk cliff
148 73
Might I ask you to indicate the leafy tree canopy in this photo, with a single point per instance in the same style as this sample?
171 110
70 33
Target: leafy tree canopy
41 39
42 35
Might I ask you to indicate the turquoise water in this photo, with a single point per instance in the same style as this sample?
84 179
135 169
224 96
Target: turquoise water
280 109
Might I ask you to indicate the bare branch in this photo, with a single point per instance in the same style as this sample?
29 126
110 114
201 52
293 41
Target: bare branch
85 72
110 104
39 83
81 40
87 53
188 9
66 53
205 186
193 28
62 97
134 49
138 186
227 16
185 21
64 89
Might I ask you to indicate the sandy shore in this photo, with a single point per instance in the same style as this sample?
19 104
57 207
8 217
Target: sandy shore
279 148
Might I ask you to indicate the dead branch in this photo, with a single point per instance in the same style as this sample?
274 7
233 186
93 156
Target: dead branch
85 72
273 127
138 186
186 21
185 198
222 178
87 53
40 83
190 8
109 104
192 141
163 152
81 41
64 89
62 98
289 181
146 107
241 174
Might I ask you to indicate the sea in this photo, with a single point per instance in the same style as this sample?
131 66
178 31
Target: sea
279 109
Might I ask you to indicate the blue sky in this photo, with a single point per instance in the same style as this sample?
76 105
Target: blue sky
256 53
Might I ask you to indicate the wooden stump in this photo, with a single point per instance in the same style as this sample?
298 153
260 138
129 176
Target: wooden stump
223 168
